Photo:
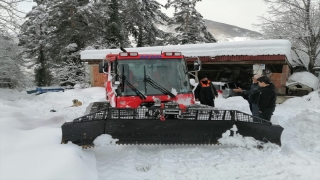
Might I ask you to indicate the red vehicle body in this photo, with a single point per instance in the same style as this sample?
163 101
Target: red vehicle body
138 66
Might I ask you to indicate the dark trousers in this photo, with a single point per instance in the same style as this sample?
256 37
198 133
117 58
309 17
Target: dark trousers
209 102
267 113
255 112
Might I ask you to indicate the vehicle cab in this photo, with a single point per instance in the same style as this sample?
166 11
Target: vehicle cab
135 80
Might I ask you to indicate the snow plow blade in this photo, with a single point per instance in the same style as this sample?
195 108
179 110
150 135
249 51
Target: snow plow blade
143 126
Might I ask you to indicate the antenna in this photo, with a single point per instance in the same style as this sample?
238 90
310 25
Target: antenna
122 49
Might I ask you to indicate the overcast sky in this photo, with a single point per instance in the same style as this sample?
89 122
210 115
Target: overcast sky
241 13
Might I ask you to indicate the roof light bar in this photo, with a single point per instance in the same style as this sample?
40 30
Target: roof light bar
123 54
133 54
126 54
172 53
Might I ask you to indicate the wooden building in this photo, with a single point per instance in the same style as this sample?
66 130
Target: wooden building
240 69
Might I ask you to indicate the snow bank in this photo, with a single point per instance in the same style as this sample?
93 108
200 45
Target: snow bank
305 78
30 136
104 139
30 146
237 139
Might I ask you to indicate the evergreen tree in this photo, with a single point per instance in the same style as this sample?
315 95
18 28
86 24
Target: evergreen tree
71 71
42 73
33 39
188 22
142 18
114 26
70 33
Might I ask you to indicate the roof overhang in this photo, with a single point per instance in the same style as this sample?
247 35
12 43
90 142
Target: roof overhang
237 48
241 59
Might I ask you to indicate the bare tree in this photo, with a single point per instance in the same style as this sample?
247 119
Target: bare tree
10 15
11 75
299 22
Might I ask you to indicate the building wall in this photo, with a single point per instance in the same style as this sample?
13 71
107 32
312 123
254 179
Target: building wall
279 79
97 79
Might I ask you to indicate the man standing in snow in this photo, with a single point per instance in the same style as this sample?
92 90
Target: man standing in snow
267 98
253 95
205 91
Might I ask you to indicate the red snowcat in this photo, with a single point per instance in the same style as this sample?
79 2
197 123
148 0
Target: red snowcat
149 100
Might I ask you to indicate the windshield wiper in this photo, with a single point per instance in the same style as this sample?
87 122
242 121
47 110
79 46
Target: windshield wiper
142 96
157 86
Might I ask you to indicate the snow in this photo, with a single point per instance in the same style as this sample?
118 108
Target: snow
30 146
252 48
72 47
305 78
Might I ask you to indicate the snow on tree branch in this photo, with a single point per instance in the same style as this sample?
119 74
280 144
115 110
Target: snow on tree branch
10 15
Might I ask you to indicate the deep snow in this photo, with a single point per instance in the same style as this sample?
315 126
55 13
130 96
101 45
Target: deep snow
30 146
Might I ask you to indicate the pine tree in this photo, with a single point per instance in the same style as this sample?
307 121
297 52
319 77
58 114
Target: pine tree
70 33
142 18
114 26
33 39
42 73
188 22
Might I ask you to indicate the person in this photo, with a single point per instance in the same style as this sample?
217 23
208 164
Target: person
267 98
205 92
253 95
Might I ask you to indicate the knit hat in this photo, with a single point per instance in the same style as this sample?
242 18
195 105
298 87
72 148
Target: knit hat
256 76
264 79
201 76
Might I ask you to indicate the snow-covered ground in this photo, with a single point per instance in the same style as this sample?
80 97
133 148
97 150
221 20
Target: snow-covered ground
30 146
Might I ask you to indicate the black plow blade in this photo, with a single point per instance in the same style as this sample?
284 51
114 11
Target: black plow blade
143 126
261 132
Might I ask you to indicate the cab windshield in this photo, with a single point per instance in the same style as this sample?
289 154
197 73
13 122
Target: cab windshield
170 74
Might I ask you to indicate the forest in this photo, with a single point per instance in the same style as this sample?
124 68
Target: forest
42 47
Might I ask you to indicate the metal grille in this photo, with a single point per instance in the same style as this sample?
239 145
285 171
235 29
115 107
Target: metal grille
100 115
191 114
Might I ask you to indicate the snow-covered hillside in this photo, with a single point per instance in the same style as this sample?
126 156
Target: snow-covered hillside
223 32
226 32
30 146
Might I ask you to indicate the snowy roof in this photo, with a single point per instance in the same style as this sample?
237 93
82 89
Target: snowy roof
305 78
251 48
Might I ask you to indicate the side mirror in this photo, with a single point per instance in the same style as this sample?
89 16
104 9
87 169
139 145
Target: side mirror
103 67
197 65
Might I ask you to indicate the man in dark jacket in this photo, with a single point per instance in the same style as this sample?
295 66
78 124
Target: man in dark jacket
253 95
205 91
267 98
